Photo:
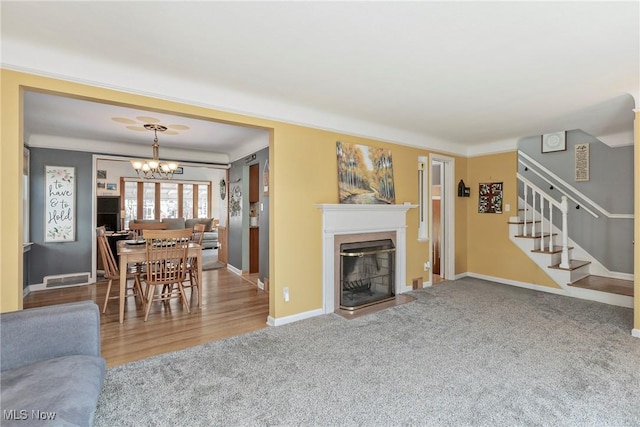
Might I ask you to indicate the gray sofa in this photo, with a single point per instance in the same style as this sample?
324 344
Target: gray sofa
210 237
51 365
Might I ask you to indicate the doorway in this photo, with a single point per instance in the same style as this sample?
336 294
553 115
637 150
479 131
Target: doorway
436 220
442 218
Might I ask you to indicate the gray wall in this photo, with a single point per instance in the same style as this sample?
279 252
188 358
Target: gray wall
68 257
610 185
238 227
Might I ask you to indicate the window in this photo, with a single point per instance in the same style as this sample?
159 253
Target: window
187 201
149 200
168 200
157 200
203 201
130 202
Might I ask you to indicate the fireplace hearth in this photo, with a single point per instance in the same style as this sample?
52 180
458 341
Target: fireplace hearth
366 273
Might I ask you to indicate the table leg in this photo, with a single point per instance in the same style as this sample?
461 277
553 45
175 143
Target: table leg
199 261
123 284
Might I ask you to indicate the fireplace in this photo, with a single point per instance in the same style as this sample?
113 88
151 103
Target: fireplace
366 273
347 224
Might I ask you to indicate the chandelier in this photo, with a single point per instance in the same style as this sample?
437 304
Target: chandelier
154 168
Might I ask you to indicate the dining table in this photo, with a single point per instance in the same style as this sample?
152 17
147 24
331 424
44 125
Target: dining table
129 252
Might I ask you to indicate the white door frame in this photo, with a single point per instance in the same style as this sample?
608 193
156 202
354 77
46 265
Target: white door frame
447 218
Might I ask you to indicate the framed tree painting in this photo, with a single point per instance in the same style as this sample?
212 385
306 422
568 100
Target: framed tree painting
490 197
365 174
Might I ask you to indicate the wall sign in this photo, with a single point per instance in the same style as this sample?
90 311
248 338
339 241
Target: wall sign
60 204
490 197
235 200
582 162
556 141
265 178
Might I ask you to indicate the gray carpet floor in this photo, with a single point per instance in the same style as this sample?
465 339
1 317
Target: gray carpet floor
464 353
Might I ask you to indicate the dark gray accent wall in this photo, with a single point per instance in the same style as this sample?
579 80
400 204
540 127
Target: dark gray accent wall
68 257
238 226
262 158
610 186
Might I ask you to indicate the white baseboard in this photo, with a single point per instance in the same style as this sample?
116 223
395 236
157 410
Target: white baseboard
635 333
25 291
518 284
234 270
42 287
404 289
293 318
586 294
426 284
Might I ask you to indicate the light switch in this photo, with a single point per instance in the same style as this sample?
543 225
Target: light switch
507 207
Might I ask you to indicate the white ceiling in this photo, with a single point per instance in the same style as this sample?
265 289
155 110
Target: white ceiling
50 119
459 77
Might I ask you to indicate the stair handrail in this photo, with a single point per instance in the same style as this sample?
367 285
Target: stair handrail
586 200
548 181
563 206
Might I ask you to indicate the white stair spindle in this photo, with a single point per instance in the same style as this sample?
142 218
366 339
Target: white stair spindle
542 199
526 202
550 226
564 207
533 214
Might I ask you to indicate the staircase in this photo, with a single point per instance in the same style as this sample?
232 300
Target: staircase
550 247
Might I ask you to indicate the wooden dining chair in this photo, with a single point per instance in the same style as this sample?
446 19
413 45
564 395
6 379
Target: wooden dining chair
112 271
138 227
166 265
192 263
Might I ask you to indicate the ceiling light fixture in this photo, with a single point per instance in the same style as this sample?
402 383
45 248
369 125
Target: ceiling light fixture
154 168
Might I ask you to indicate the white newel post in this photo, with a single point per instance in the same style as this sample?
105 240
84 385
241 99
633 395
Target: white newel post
359 219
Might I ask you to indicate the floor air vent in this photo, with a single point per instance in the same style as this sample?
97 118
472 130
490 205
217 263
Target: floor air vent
66 280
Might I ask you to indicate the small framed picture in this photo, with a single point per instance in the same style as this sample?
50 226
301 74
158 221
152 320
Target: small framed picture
554 142
178 171
112 187
102 174
102 185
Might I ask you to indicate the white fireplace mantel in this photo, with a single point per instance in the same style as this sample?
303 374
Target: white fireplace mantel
339 219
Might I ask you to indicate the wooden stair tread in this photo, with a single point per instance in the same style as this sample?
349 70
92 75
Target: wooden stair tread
605 284
554 250
535 236
574 264
521 222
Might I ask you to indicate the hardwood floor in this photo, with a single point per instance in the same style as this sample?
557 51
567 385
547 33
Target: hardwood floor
231 305
606 284
436 278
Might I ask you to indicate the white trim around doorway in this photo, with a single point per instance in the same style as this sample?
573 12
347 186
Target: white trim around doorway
448 202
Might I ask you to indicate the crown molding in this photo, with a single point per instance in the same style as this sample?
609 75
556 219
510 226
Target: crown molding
123 149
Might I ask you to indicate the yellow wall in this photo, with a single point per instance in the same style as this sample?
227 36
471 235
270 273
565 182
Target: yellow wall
303 174
636 236
462 213
490 250
11 196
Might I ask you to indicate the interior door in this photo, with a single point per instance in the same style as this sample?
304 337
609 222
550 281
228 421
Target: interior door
437 232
